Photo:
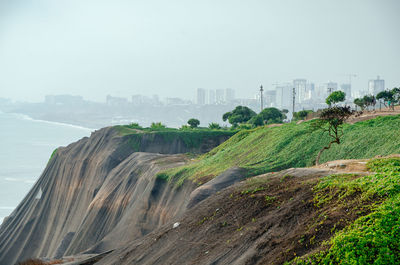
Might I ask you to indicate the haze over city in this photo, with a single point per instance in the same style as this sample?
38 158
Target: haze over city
172 48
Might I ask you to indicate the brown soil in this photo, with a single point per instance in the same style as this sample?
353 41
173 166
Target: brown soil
268 219
367 115
361 116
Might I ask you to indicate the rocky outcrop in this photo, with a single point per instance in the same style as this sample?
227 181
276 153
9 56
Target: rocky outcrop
97 194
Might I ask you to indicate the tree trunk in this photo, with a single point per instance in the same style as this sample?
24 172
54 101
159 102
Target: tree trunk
323 149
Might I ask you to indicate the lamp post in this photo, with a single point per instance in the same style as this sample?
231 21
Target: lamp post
261 96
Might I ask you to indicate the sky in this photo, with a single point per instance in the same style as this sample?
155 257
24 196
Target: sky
124 47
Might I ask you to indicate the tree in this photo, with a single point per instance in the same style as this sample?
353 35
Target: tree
360 102
301 115
396 95
369 100
157 125
240 114
331 121
387 97
268 116
214 126
193 123
335 97
257 121
272 115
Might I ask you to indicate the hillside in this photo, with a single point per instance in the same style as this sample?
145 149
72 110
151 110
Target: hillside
264 149
137 195
297 216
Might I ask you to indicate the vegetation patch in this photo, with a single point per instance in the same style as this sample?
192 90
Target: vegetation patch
265 149
192 138
52 155
373 237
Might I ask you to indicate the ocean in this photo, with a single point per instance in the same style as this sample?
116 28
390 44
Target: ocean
25 148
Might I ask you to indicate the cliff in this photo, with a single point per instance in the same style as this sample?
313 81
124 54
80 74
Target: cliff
99 193
125 196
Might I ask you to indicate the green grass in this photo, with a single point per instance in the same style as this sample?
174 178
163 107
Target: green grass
192 138
52 155
373 238
265 149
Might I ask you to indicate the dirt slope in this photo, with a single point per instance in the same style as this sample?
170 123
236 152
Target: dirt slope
251 222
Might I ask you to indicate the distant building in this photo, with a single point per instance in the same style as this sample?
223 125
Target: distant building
140 100
346 88
212 100
301 89
320 93
376 85
155 100
270 98
310 91
63 99
201 96
116 101
331 87
220 96
176 101
283 95
326 89
229 95
252 103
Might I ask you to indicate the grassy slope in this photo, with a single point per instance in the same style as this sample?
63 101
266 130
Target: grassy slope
372 238
270 149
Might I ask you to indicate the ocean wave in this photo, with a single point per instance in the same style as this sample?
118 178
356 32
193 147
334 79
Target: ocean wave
7 207
28 181
28 118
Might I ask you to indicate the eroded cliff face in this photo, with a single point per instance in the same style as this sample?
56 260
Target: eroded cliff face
96 195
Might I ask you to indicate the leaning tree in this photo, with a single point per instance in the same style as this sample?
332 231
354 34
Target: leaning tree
331 122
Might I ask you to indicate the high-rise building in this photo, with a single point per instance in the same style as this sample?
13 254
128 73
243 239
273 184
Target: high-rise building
283 95
301 89
270 98
201 96
346 88
376 85
220 96
331 87
211 97
229 95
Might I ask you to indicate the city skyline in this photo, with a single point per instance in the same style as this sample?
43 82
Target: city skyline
306 90
122 48
254 94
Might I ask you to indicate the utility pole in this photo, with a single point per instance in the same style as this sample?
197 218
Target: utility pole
261 96
294 99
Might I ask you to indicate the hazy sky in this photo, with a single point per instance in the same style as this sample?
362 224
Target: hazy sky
170 47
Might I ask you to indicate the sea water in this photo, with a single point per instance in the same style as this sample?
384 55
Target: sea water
25 148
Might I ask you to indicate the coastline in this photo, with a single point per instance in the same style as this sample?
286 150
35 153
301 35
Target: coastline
26 147
27 117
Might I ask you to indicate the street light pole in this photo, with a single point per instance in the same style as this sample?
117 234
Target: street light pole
261 96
